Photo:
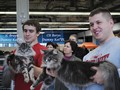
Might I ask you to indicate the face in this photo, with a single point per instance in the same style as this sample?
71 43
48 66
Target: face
72 38
98 77
50 47
67 49
101 27
30 34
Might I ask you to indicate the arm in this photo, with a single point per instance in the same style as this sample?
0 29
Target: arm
37 71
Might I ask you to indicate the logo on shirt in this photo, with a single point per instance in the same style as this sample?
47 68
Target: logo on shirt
98 58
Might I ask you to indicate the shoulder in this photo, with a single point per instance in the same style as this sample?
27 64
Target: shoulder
115 44
76 58
38 46
115 40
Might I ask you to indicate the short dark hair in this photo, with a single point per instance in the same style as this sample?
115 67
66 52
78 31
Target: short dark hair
51 43
102 10
34 23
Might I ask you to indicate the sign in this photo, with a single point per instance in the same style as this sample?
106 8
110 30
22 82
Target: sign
56 37
8 40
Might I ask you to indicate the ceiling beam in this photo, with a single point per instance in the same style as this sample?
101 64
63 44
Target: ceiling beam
104 3
57 13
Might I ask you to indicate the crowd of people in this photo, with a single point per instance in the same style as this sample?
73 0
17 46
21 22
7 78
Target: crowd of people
101 26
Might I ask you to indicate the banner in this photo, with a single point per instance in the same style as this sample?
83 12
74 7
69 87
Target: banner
8 40
56 37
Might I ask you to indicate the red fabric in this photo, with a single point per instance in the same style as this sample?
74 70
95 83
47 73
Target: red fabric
19 79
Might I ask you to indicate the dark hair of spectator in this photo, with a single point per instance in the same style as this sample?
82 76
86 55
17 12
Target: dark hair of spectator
73 45
53 44
34 23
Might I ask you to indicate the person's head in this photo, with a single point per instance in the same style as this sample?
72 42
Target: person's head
50 46
31 31
73 37
101 24
69 47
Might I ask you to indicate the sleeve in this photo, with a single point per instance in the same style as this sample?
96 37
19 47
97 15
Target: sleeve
84 58
94 87
40 60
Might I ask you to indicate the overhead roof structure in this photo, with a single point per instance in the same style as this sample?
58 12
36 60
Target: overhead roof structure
68 15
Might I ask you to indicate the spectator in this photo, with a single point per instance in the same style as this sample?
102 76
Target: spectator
31 31
51 46
81 52
73 37
101 26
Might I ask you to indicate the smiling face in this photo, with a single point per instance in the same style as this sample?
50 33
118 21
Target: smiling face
101 26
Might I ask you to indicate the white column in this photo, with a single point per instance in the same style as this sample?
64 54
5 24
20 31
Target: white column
22 7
